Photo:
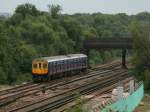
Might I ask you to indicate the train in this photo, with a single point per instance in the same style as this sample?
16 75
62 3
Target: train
48 68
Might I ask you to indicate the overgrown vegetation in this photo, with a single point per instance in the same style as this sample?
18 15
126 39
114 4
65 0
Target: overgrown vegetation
141 58
79 104
30 33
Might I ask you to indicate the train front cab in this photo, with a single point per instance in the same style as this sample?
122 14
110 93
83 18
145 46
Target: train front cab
39 70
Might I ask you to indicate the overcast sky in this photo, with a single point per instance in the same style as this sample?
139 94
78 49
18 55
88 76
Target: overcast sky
83 6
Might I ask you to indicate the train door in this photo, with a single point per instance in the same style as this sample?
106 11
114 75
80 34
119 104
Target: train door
61 66
50 68
55 68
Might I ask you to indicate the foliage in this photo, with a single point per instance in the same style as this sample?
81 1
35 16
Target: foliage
30 33
141 39
27 9
54 10
79 104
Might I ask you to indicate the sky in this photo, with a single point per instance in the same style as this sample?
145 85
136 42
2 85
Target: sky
83 6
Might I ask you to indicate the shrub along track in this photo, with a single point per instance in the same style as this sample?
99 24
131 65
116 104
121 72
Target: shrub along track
65 93
11 95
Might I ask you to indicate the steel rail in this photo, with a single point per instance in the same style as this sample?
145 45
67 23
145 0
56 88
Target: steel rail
14 97
100 81
31 84
105 90
70 98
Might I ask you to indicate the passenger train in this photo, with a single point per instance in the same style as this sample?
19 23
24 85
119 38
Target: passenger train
47 68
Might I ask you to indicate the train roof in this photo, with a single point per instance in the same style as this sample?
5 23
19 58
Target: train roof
62 57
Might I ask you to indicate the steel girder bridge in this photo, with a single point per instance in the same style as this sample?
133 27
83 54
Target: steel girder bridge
107 44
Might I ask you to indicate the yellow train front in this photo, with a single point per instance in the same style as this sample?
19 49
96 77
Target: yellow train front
46 68
39 69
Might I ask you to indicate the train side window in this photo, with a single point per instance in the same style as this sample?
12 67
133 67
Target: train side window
40 65
68 63
62 63
50 65
71 62
84 61
54 64
60 66
76 60
65 64
79 62
34 65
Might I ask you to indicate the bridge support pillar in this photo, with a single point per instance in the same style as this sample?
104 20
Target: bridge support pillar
124 58
88 53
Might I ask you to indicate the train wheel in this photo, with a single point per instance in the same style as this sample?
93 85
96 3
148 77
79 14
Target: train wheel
57 76
61 75
65 74
84 70
49 78
52 77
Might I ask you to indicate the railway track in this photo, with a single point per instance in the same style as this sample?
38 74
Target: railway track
66 82
10 95
107 66
108 89
30 84
70 98
23 86
68 95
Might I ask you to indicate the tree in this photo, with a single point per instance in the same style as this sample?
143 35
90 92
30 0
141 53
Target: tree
54 10
143 16
27 9
141 58
30 33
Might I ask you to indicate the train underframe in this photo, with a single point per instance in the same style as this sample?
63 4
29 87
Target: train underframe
47 77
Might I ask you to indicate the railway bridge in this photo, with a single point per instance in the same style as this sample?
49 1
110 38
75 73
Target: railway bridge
109 43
